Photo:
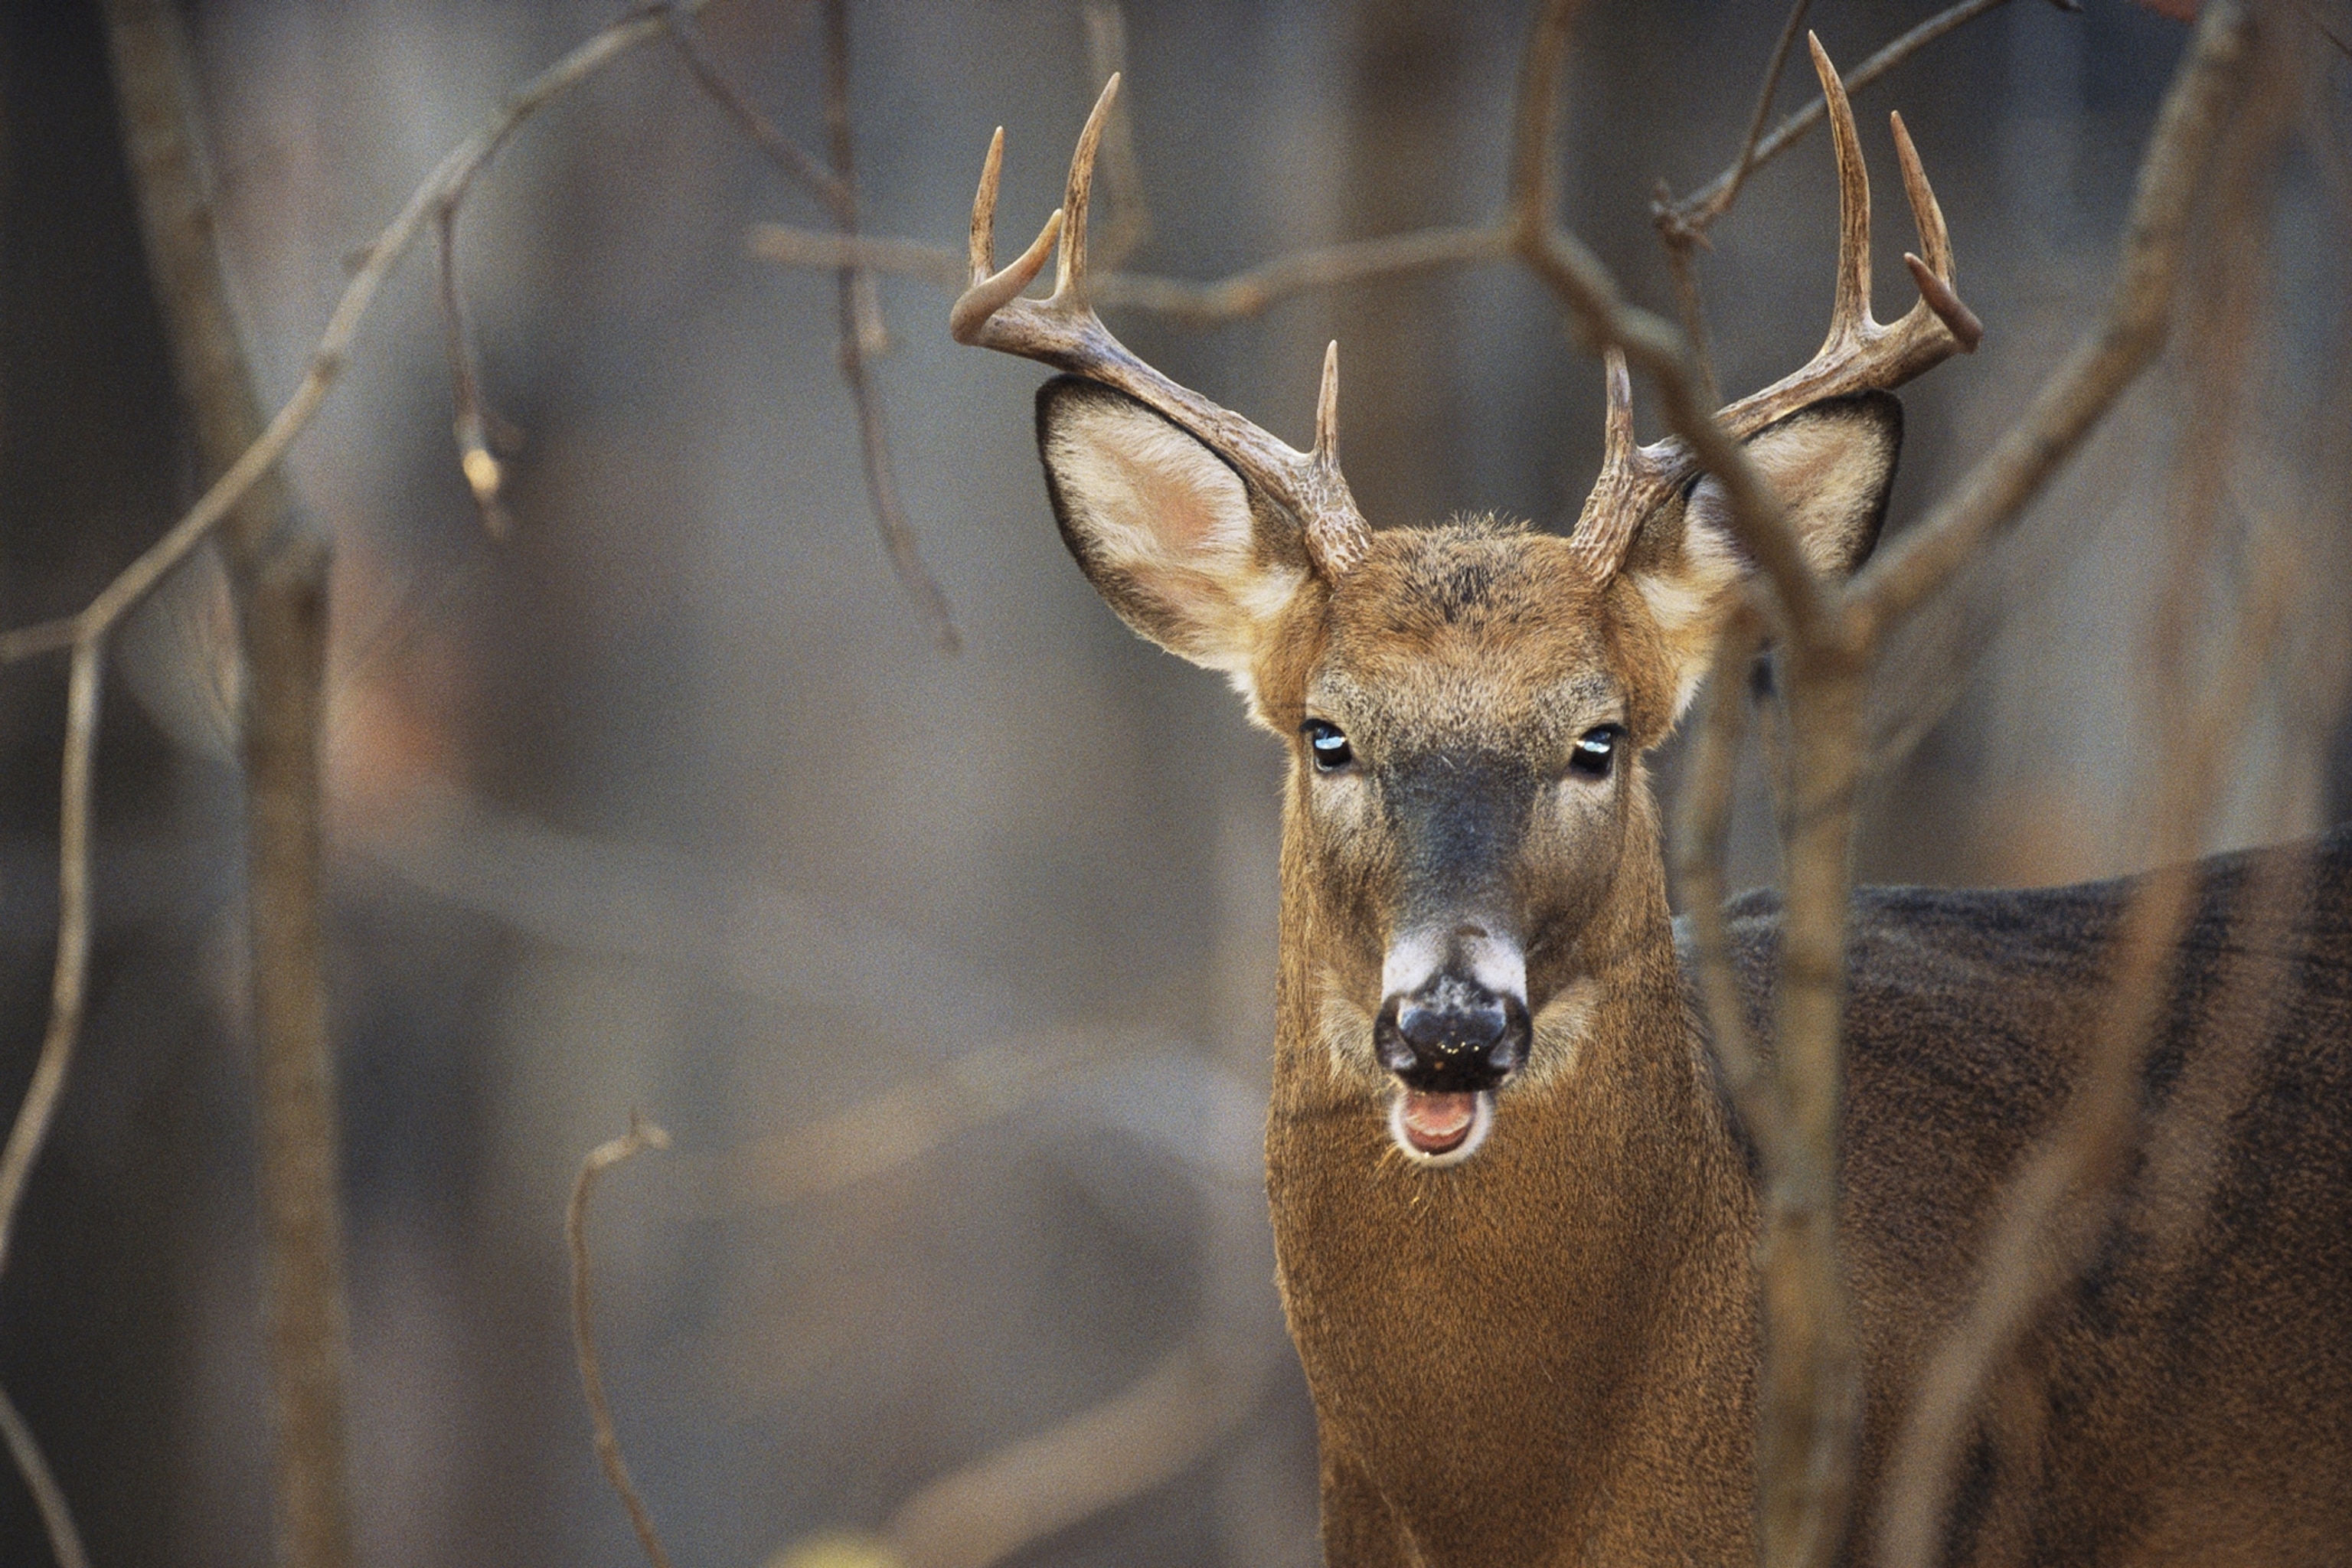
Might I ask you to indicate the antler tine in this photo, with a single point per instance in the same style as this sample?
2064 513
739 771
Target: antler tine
1070 262
1617 433
983 211
1927 212
1852 309
1063 331
1633 477
1858 355
1337 536
1327 411
1934 272
992 290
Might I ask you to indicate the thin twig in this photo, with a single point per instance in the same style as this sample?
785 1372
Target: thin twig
1235 297
1717 192
642 1135
1127 222
68 986
1598 312
2109 357
450 177
69 989
874 440
798 164
1745 163
56 1518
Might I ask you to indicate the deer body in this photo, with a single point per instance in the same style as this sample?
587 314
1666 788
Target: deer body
1513 1215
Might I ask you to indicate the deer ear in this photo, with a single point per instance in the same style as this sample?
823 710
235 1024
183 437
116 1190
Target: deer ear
1831 463
1165 528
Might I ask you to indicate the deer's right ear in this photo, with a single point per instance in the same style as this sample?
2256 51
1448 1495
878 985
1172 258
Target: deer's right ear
1165 528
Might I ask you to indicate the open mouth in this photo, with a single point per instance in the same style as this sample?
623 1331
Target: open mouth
1435 1128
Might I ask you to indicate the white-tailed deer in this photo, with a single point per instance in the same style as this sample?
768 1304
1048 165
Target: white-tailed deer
1513 1214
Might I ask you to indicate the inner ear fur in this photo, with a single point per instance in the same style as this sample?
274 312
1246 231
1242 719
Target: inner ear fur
1186 552
1833 465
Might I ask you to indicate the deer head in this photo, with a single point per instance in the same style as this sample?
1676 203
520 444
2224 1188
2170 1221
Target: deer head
1470 846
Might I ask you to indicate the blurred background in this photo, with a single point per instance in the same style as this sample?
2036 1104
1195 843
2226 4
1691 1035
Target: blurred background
950 975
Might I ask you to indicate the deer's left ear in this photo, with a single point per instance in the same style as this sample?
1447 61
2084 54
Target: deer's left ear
1831 463
1180 545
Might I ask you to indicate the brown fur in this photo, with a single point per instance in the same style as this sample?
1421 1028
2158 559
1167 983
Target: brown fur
1546 1353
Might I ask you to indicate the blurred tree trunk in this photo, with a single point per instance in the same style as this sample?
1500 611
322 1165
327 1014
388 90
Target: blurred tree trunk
90 469
1396 369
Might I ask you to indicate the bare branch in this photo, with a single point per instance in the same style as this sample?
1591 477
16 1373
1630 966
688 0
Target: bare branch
1714 198
48 1497
1254 293
1600 316
881 484
1702 830
1683 230
798 165
1237 297
1129 223
824 250
278 563
1682 265
2110 356
641 1135
909 1119
448 180
68 986
2058 1205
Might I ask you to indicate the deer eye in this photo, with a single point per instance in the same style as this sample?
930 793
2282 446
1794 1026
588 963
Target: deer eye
1329 746
1595 751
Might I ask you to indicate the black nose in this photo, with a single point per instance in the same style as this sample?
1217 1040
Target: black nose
1452 1036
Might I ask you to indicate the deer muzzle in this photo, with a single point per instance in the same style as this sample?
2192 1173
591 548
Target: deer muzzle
1451 1028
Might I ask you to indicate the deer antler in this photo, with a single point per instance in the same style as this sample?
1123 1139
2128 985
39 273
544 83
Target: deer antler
1859 354
1063 331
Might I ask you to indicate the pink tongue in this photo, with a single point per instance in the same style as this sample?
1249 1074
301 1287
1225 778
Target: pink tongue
1436 1123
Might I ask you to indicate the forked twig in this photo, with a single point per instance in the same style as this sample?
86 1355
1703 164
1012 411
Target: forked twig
1684 235
642 1135
1707 203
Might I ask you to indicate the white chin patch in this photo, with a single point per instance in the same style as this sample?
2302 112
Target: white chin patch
1433 1140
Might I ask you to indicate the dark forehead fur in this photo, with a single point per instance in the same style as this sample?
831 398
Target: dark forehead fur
1488 607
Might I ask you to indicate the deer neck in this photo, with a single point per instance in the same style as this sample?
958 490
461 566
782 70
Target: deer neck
1571 1303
